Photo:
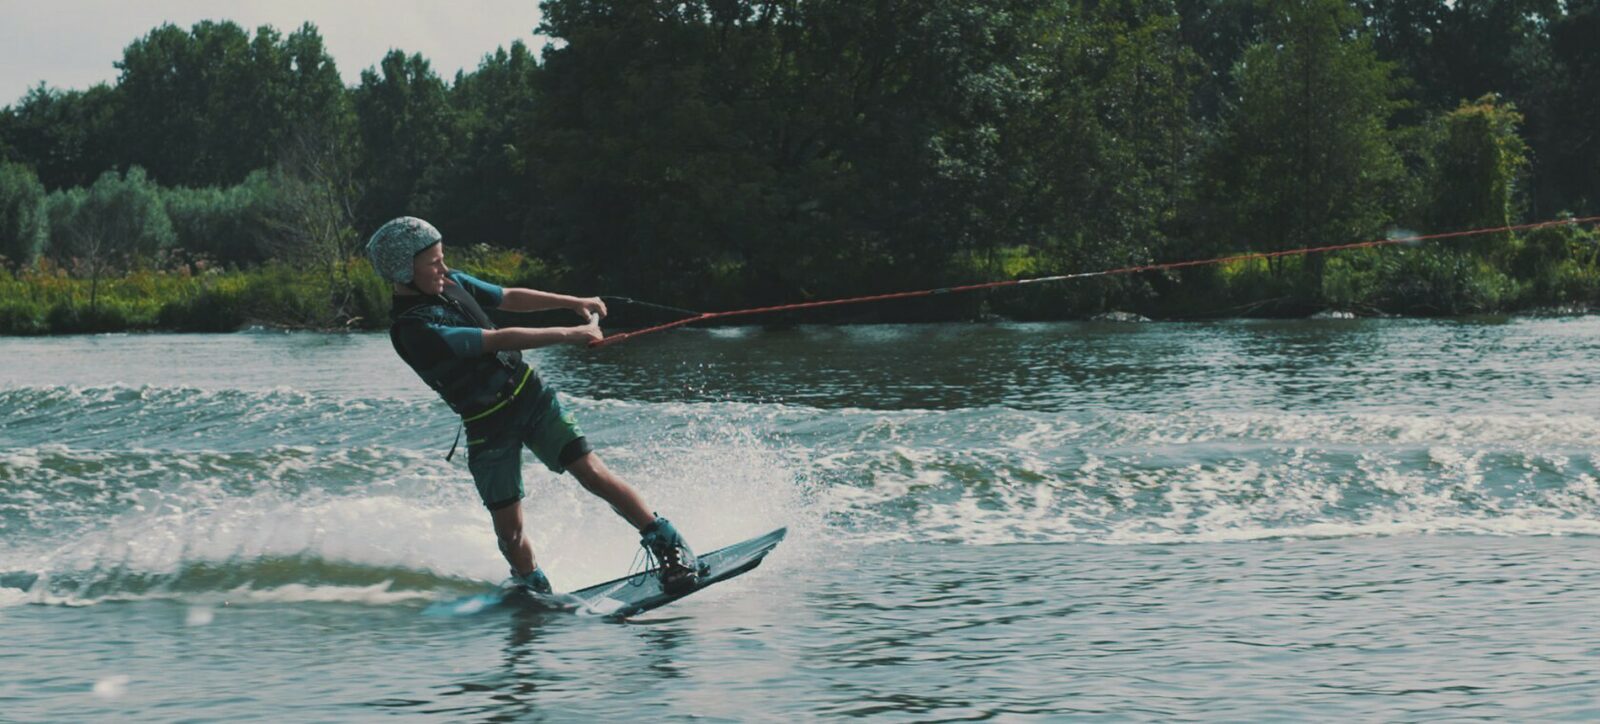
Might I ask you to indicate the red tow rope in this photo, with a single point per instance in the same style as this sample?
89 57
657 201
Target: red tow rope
706 316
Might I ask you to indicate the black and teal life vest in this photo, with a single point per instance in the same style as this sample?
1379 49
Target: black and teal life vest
475 387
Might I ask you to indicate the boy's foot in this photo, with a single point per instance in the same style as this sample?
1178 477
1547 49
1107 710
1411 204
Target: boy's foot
677 566
534 581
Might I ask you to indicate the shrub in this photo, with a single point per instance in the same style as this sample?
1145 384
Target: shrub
23 223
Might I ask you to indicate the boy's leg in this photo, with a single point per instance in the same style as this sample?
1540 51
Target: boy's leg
517 548
598 479
560 445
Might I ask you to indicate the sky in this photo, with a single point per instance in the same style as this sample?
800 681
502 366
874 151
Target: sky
72 44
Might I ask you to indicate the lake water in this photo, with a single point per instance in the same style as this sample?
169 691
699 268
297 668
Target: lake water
1370 519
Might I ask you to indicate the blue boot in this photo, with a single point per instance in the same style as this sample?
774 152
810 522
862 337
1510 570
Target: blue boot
676 564
534 581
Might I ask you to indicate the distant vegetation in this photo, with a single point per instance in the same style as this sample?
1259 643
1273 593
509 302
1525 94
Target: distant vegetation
725 153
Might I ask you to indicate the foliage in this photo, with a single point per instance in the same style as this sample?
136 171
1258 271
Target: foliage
724 153
1563 108
488 192
1479 163
196 298
407 132
224 225
208 106
66 136
1306 157
117 221
23 223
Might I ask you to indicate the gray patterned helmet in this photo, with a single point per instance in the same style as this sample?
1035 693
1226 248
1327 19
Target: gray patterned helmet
395 243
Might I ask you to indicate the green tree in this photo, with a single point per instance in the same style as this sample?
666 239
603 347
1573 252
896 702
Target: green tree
208 106
1306 157
185 111
1218 32
23 223
407 135
66 136
119 219
1490 46
1480 162
1565 147
1105 139
312 223
229 225
666 134
786 149
489 192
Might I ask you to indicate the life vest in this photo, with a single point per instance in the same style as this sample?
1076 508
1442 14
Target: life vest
474 387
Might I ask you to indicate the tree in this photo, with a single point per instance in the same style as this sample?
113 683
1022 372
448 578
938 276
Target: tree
184 114
489 192
1566 148
314 216
227 225
1105 143
208 106
1480 161
23 223
118 219
787 149
1218 32
66 136
1306 157
407 137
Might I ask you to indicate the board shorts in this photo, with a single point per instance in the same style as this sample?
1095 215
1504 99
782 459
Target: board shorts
494 446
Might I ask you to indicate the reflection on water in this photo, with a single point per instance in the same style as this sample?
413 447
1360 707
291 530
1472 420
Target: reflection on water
1365 628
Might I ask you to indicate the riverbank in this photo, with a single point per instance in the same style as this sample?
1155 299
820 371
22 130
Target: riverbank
1426 283
45 299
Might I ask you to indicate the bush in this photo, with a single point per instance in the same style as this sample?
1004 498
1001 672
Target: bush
1573 283
105 315
22 317
1442 281
1352 280
23 223
213 308
229 226
370 305
120 217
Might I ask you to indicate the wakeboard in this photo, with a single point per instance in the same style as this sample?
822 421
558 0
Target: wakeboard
629 595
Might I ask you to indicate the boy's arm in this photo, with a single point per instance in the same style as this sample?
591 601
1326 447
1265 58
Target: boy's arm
510 338
533 300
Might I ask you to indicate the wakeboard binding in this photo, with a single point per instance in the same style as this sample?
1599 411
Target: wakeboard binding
676 565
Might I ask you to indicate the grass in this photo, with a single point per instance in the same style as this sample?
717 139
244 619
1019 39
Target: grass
1546 270
45 299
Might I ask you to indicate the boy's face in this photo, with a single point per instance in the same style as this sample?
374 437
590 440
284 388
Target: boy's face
428 270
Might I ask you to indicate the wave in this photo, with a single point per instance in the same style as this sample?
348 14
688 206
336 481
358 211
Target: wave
188 418
298 578
369 524
160 484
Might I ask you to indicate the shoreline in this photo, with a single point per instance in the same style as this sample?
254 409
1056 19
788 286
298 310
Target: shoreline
1131 319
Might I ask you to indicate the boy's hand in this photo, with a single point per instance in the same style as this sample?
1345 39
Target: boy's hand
590 333
588 306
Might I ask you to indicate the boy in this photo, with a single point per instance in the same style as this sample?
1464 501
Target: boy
442 332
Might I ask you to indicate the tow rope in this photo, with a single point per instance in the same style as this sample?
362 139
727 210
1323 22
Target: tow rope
1389 241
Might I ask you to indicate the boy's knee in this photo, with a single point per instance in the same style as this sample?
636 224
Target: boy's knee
589 477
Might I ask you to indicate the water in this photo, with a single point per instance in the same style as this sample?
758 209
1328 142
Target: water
1375 519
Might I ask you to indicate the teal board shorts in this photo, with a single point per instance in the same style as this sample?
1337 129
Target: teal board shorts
494 445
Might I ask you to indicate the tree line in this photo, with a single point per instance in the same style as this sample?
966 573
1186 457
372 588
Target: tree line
716 153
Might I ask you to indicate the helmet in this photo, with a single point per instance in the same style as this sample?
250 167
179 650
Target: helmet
395 243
